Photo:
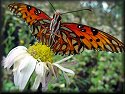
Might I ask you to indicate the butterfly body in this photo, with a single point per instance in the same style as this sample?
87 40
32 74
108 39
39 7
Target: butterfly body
65 38
54 26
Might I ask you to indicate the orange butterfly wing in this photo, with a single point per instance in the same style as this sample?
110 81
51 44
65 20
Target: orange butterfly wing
74 38
30 14
43 35
78 37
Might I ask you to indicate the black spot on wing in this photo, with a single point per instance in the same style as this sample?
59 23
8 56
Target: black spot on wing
83 30
97 40
37 11
90 40
28 7
82 37
25 13
80 26
94 31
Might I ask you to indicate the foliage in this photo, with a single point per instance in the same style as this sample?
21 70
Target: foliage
95 71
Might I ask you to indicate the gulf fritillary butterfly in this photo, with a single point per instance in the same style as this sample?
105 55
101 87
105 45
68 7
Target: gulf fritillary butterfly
65 38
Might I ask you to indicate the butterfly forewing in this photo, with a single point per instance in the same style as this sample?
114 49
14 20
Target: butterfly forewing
29 13
33 16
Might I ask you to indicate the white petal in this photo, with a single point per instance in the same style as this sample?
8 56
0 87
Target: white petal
9 60
44 86
40 68
48 77
64 69
23 73
46 81
64 59
43 81
36 82
40 71
18 59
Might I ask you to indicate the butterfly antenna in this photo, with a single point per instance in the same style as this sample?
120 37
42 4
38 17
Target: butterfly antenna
52 6
77 11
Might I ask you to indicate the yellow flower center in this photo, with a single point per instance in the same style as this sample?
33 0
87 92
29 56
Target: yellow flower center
41 52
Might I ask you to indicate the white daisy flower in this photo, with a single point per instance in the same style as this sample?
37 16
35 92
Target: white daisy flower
34 63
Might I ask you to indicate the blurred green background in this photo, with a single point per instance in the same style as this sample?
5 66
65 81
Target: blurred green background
95 71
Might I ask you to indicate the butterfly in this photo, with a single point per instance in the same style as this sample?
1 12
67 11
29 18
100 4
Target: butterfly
65 38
